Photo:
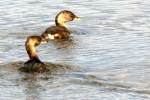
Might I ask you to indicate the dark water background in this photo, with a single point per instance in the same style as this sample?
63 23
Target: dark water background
108 56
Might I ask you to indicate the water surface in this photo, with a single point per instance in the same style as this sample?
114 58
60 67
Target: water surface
110 49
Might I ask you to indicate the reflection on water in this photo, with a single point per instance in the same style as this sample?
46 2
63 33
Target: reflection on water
106 58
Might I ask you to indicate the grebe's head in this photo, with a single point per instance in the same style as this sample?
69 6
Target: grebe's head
65 16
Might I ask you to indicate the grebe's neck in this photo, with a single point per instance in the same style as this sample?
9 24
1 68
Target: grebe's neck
31 43
60 21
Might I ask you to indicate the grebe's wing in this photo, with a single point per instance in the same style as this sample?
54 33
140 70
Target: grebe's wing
56 29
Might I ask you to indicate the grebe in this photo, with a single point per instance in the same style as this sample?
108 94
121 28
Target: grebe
34 64
60 30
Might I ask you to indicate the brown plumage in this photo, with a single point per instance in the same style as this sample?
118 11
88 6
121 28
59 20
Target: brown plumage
57 32
31 43
34 64
60 30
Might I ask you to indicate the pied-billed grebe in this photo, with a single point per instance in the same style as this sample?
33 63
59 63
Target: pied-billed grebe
34 64
60 30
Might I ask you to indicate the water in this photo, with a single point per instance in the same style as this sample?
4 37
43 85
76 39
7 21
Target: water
109 50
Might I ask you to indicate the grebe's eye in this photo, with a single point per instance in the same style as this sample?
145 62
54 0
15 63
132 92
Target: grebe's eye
72 16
